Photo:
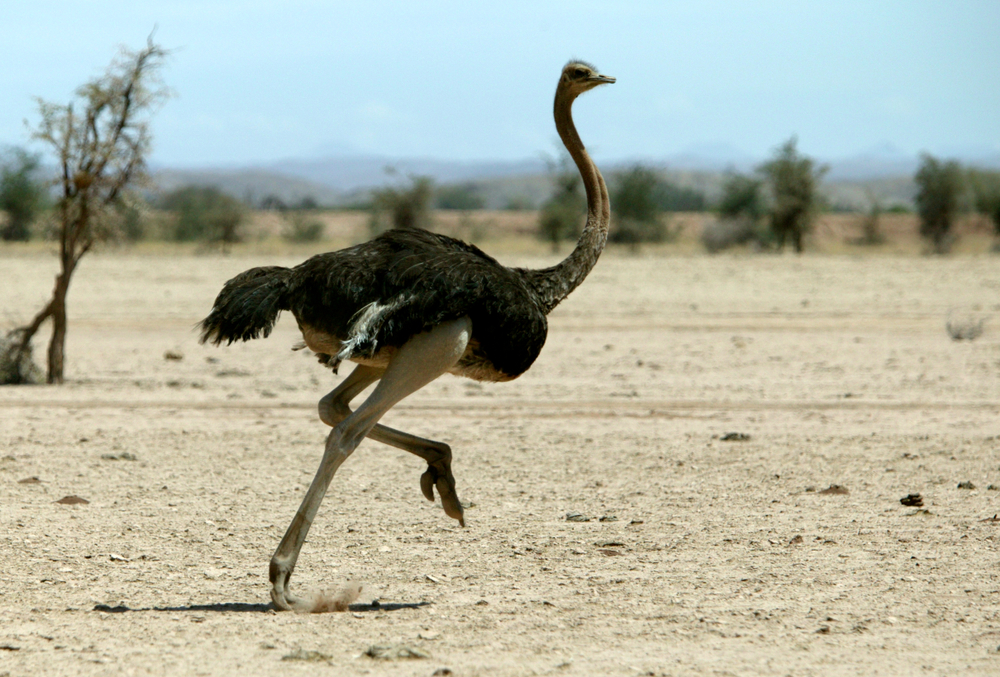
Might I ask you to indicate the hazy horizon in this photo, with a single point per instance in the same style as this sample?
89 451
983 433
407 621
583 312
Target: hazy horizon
257 83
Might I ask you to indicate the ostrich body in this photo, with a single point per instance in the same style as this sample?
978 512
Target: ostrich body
407 307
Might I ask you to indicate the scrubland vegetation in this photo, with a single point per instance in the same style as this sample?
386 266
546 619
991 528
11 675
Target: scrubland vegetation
781 201
956 211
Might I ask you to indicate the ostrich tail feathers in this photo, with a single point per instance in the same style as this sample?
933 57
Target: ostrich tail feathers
248 306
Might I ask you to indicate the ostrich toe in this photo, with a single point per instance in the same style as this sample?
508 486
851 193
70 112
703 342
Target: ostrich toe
442 478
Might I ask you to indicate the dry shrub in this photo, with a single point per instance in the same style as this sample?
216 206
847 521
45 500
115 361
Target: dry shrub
16 365
725 233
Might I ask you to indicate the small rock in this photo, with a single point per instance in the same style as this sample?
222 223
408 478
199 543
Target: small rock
303 655
735 437
966 485
992 487
394 651
967 329
442 672
124 456
608 518
576 517
232 372
72 500
795 540
174 355
609 553
30 480
914 500
835 490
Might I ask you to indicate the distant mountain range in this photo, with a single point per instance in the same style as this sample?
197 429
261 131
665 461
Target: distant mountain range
338 180
350 173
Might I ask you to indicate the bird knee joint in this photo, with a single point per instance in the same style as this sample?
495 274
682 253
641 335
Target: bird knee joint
276 570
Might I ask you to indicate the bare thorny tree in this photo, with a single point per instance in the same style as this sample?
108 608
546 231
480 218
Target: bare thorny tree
101 151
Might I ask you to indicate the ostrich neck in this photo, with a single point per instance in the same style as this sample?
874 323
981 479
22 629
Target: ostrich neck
552 285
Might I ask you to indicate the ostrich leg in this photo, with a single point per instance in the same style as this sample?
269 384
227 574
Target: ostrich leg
418 362
335 407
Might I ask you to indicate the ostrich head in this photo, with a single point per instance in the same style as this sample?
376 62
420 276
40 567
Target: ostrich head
579 77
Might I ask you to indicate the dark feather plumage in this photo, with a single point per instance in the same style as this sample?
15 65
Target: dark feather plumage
417 278
248 306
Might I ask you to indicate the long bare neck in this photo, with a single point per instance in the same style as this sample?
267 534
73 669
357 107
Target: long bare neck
554 284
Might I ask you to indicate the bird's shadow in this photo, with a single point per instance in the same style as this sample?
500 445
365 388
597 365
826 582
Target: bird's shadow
243 607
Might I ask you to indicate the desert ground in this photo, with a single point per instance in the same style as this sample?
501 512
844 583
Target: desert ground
616 526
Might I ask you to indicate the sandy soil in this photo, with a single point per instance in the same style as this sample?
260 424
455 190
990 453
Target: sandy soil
698 556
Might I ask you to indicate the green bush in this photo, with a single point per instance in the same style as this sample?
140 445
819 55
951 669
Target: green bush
634 232
132 227
673 198
871 230
636 207
794 182
306 203
740 210
205 213
985 187
402 207
939 186
302 228
465 197
272 203
561 215
741 197
21 195
519 203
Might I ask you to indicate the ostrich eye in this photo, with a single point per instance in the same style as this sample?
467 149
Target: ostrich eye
580 73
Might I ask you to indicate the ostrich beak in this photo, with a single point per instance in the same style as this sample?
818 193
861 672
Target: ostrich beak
601 79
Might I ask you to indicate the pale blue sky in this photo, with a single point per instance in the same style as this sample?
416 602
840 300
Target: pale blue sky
258 81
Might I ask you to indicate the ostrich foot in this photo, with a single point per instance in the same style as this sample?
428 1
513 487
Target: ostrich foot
280 572
314 602
439 475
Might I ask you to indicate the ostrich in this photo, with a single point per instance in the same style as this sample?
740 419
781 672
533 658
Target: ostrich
407 307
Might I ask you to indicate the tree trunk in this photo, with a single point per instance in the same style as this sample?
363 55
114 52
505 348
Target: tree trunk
57 344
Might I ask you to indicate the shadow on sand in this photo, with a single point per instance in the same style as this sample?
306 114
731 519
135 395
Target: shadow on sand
242 607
